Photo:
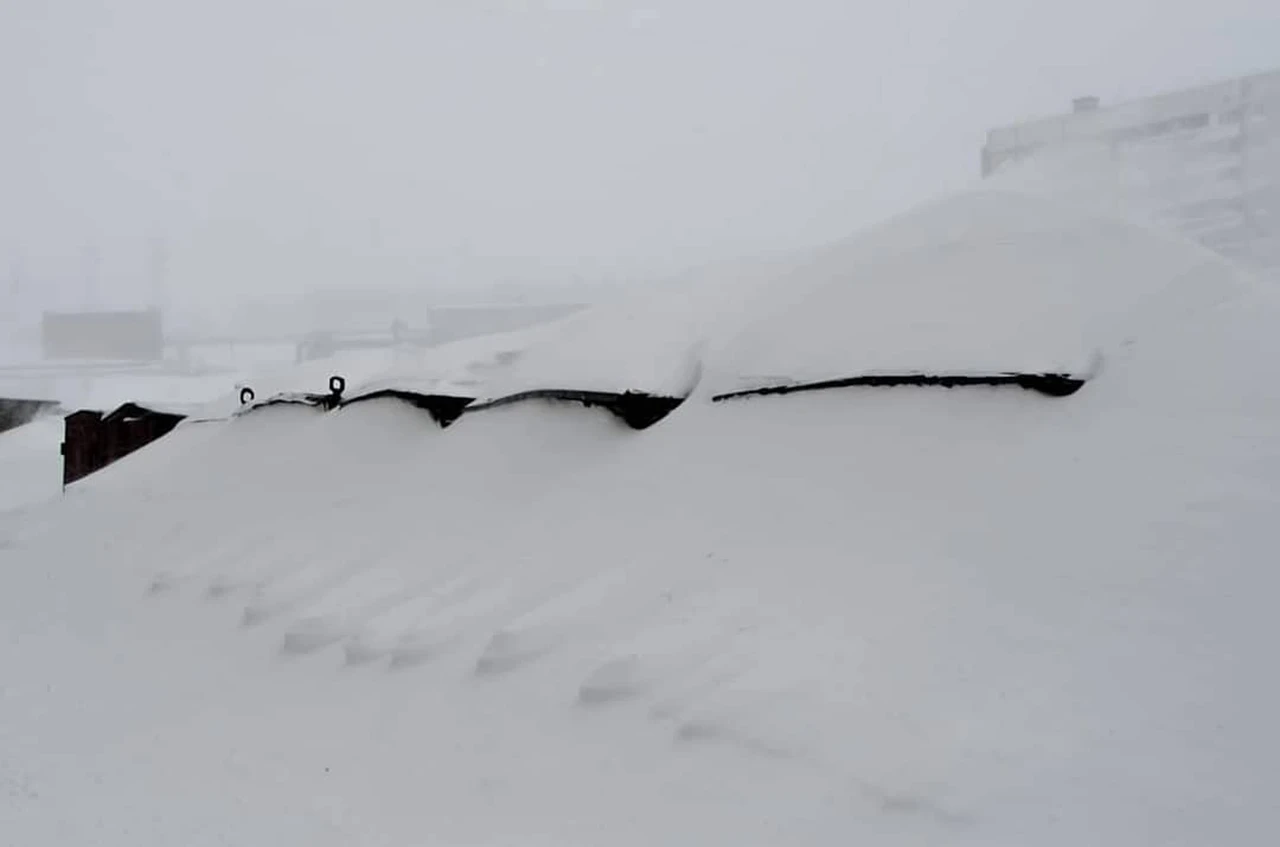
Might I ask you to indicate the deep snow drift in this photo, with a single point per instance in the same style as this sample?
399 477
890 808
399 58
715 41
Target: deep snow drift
885 616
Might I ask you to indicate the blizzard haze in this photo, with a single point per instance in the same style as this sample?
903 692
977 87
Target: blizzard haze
901 616
278 145
678 569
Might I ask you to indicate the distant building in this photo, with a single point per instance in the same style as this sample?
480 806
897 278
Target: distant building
1205 161
136 336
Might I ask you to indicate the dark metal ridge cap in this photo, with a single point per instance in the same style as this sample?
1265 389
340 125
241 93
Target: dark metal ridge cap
638 409
133 409
443 408
1049 384
312 401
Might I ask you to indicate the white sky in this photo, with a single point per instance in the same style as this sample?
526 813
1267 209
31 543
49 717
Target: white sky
277 144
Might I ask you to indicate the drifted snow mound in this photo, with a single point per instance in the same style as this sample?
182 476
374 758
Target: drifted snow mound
981 282
649 345
458 368
901 616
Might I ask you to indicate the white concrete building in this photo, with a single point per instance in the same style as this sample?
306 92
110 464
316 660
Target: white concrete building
1204 161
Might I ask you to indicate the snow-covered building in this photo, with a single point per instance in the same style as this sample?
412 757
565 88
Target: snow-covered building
1204 161
848 615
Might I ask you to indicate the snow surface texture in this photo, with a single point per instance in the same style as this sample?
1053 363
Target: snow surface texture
864 616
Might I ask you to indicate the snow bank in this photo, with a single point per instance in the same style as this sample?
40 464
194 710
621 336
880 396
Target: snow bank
980 282
30 463
896 617
459 368
643 344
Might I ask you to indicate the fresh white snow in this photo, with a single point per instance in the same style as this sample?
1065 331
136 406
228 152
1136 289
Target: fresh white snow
884 616
30 463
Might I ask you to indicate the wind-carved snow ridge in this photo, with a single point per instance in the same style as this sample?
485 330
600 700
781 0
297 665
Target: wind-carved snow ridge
459 615
687 627
590 610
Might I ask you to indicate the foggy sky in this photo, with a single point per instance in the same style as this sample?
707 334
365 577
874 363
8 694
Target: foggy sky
279 144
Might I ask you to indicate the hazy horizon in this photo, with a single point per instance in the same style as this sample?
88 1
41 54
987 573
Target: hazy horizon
277 146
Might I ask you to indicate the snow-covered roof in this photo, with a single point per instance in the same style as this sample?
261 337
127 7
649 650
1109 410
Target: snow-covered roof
984 282
980 282
644 344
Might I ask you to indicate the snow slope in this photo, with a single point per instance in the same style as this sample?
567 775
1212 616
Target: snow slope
978 282
887 616
30 463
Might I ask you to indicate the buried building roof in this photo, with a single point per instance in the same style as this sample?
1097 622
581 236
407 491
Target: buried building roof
981 287
980 283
